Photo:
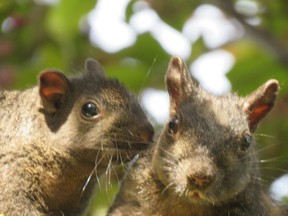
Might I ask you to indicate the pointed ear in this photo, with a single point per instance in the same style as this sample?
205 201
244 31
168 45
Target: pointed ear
94 68
54 87
178 82
258 104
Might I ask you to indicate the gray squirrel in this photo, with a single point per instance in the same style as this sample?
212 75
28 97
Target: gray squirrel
55 135
204 163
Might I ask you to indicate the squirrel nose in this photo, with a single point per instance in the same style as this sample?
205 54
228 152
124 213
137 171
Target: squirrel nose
199 181
146 134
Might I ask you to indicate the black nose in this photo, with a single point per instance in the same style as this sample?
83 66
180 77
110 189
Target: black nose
146 133
199 180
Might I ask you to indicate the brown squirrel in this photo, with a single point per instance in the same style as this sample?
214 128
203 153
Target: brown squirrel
204 162
53 136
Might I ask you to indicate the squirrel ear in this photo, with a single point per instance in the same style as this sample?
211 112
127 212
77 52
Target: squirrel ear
94 68
178 81
258 104
53 88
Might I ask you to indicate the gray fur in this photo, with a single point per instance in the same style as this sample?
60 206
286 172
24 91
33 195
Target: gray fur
205 166
48 150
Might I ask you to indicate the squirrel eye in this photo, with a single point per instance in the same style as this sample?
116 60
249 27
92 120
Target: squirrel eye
90 110
246 142
173 125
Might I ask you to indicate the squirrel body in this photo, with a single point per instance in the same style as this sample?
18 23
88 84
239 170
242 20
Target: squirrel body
204 163
55 135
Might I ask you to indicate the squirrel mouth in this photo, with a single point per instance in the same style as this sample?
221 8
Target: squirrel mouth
196 196
125 151
131 146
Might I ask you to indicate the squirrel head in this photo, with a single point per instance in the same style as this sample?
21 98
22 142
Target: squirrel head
205 153
92 116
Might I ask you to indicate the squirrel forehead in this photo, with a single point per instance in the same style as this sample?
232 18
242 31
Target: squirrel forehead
209 111
105 89
115 93
115 96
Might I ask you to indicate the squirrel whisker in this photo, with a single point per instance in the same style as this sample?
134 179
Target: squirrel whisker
167 187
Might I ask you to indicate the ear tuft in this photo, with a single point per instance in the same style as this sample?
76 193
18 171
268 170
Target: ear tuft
178 81
93 67
53 89
173 81
259 103
176 62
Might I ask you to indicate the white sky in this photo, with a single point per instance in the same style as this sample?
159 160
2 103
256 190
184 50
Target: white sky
210 70
156 102
279 188
109 31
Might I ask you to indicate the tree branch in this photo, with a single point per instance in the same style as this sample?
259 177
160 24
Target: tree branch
261 36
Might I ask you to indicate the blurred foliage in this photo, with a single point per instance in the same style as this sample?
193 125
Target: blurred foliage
38 36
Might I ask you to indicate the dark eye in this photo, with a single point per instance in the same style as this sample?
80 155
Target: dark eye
90 110
246 142
173 125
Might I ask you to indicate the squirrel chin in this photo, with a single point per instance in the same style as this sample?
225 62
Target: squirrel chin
196 196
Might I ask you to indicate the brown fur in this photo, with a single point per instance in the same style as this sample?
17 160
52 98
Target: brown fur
48 147
204 162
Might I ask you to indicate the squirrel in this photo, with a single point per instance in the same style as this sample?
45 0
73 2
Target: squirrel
55 135
204 163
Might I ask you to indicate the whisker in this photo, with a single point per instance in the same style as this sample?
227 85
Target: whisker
87 182
147 75
118 155
273 168
85 186
97 162
108 178
263 148
264 135
115 148
129 132
126 170
271 159
186 192
258 178
169 154
183 192
129 141
168 161
108 170
167 187
116 174
128 156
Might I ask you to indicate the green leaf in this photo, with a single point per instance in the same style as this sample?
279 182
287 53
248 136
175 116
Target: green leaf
63 19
